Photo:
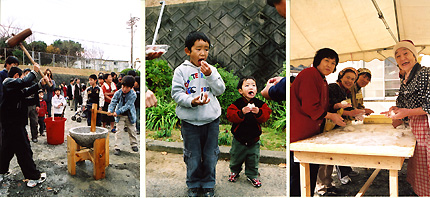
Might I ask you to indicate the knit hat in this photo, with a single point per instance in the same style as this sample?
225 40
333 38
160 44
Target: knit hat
364 71
408 44
346 69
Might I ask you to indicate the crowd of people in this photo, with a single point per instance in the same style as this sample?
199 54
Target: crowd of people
324 107
25 100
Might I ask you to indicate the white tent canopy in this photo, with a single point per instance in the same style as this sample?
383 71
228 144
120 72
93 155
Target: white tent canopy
354 30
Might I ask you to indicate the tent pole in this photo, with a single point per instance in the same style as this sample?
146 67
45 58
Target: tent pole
381 16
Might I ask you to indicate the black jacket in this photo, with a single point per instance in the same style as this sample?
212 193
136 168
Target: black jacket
13 108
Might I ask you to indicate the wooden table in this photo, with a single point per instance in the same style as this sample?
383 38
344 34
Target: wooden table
378 146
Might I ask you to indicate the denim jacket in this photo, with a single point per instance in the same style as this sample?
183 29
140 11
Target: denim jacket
117 103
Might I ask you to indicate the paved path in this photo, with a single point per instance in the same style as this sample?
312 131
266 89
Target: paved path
166 172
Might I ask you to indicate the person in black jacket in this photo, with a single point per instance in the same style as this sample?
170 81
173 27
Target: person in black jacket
32 102
70 89
13 113
77 93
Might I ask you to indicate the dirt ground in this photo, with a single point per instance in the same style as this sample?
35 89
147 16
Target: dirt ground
379 187
122 174
166 174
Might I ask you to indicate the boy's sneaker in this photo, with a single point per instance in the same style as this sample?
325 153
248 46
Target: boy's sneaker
113 130
233 176
208 192
255 182
134 148
34 140
193 192
125 129
345 180
117 151
33 183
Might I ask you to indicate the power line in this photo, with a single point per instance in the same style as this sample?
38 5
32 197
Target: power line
65 37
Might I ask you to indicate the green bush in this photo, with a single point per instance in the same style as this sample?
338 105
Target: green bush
230 94
125 71
159 78
225 138
162 117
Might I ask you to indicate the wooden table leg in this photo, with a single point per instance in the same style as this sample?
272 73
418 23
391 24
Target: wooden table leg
367 184
394 183
305 180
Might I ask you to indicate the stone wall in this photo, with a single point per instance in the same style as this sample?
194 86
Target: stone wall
247 36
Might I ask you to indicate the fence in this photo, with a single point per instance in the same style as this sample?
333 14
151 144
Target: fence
56 60
248 36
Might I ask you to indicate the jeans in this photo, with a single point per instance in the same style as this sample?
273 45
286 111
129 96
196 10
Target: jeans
200 153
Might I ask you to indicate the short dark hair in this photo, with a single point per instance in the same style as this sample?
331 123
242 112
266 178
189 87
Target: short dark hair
11 60
26 70
71 80
101 77
273 2
112 74
105 76
325 53
195 36
57 89
137 79
128 81
13 71
93 76
239 85
132 73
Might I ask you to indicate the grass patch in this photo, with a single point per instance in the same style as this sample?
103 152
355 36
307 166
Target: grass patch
270 139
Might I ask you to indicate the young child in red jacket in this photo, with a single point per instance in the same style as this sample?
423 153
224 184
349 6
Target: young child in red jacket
246 114
42 112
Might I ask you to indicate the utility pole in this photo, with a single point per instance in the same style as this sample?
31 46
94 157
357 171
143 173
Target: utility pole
131 23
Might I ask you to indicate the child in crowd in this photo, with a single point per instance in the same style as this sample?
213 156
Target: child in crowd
42 112
136 88
195 85
246 114
109 90
58 102
93 94
123 104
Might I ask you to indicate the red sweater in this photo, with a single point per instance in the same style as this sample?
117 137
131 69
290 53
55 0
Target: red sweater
43 109
246 127
309 102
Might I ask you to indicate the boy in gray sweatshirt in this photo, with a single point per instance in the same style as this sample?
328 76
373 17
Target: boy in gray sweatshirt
195 86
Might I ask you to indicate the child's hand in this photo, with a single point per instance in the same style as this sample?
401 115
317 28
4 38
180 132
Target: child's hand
206 70
37 109
246 110
196 101
255 110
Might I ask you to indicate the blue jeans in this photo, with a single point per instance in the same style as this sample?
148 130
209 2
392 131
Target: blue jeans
200 153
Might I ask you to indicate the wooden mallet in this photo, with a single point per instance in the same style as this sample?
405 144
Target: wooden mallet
94 113
17 39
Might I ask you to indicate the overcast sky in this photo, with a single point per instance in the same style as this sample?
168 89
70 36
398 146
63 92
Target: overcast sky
95 24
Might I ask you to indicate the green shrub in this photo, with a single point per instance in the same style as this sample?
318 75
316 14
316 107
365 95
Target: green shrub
125 71
230 94
162 117
159 78
225 138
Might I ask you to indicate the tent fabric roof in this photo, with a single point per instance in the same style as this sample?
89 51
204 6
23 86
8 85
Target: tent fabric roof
354 30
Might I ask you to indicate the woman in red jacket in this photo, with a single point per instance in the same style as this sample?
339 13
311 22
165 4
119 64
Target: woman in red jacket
309 103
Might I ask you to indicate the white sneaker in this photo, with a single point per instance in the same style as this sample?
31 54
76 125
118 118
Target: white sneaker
33 183
345 180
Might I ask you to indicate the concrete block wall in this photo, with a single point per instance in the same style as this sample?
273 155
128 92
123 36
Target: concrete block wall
247 36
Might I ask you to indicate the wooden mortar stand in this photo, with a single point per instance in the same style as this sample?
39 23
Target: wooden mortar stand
98 155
